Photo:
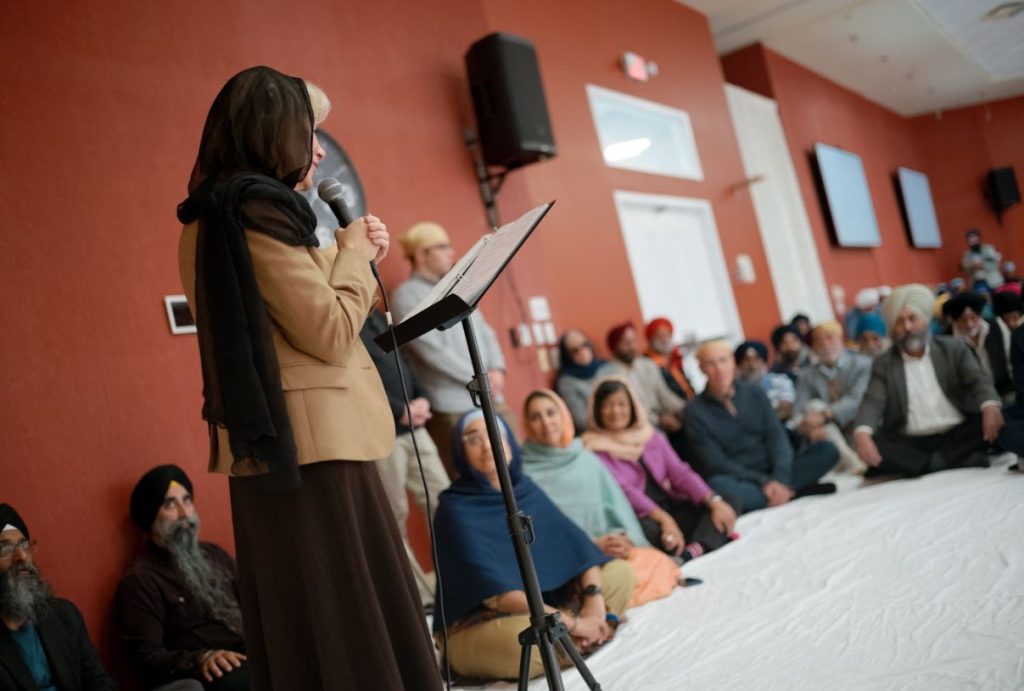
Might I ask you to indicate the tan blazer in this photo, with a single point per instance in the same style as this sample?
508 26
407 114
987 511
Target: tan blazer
317 302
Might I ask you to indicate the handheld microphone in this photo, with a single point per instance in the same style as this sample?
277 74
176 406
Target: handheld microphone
332 194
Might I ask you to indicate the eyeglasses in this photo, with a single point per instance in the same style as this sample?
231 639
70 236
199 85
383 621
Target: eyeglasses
580 347
474 439
7 549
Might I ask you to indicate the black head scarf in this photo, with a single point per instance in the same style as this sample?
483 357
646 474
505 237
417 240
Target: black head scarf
10 517
256 146
150 491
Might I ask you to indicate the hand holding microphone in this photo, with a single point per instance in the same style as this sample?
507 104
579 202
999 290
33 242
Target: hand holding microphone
366 234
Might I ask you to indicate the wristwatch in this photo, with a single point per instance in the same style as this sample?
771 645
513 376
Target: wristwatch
592 590
713 498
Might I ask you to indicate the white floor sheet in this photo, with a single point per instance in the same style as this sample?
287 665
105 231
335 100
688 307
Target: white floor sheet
911 584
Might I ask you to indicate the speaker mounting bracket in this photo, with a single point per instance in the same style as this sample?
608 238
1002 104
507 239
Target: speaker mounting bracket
489 182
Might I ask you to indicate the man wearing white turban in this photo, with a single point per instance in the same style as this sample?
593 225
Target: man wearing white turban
929 406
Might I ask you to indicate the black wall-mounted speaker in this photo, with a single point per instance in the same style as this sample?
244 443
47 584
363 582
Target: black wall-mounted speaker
1003 188
508 99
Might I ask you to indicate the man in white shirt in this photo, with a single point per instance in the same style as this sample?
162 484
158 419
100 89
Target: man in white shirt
929 406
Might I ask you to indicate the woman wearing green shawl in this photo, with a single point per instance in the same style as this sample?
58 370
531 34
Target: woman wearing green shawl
580 486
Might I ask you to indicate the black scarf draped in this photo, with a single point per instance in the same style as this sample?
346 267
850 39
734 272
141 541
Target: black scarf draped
256 147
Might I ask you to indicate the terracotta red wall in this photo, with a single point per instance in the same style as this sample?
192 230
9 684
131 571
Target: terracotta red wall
814 109
100 118
588 273
954 150
960 146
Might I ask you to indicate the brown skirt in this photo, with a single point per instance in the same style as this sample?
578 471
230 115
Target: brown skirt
328 597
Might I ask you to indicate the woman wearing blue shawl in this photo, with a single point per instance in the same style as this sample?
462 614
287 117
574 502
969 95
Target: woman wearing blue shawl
577 367
480 588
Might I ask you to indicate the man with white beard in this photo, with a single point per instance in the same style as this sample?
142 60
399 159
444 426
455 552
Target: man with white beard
44 644
177 605
928 406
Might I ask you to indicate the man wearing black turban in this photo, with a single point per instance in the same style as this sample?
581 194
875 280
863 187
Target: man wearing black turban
43 641
983 336
791 353
752 366
199 637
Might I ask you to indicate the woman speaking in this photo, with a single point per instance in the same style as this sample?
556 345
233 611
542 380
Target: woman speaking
294 403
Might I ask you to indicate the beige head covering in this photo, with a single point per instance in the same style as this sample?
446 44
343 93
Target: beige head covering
627 444
423 235
828 327
916 296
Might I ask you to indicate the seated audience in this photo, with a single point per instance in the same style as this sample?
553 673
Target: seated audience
1011 281
739 443
752 363
865 304
928 405
791 353
44 644
441 358
830 392
580 486
663 407
870 335
940 322
177 605
982 336
1011 436
677 510
1008 310
577 367
981 263
479 584
667 356
802 324
400 472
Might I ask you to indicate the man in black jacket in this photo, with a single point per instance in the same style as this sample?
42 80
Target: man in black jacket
177 605
983 336
400 472
44 644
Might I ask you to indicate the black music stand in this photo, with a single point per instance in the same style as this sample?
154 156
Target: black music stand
451 301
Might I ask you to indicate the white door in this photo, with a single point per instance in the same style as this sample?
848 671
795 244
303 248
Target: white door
678 266
785 230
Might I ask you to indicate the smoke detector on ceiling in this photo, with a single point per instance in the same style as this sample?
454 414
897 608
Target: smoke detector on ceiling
1006 10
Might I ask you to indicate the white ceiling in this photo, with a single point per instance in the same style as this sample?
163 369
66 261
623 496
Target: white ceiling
911 56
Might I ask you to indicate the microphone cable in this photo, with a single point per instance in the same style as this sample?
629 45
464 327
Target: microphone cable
439 600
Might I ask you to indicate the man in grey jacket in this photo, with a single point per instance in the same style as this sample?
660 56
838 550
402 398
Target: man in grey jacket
829 392
440 359
928 405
